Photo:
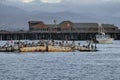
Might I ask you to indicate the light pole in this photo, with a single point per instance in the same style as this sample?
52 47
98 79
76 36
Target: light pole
55 22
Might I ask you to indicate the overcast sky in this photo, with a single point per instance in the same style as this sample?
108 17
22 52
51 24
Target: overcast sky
101 8
67 5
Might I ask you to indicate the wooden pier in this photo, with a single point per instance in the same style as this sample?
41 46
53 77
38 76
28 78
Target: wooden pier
62 31
26 35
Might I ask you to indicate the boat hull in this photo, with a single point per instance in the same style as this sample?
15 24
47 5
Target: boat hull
105 41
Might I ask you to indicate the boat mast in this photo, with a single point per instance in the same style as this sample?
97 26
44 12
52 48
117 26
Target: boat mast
100 28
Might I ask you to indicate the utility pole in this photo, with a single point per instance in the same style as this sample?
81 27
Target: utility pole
55 22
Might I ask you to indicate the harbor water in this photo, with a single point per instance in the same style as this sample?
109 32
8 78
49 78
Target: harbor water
101 65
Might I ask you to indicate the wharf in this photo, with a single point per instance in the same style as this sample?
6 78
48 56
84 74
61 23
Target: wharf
65 30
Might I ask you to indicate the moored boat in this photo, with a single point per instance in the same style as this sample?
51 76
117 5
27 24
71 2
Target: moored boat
103 38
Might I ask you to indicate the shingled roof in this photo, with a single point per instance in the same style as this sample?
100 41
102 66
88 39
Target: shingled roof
37 24
63 24
85 25
92 25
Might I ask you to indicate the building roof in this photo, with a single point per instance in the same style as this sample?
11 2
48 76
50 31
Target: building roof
92 25
85 25
34 21
40 24
109 25
65 22
37 24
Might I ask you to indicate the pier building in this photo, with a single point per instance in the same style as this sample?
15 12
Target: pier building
61 31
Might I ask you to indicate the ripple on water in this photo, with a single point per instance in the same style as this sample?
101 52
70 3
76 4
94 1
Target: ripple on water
101 65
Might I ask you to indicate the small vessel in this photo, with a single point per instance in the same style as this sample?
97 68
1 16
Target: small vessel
103 38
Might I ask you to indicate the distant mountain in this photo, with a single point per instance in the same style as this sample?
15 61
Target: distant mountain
13 18
61 16
10 10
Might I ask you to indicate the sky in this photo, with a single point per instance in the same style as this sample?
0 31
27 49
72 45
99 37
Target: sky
65 5
78 6
97 7
106 10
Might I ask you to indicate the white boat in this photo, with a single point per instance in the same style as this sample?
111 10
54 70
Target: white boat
103 38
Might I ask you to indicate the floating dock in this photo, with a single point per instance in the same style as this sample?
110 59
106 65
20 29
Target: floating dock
46 46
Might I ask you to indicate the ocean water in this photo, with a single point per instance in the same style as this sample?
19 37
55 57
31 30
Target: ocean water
101 65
